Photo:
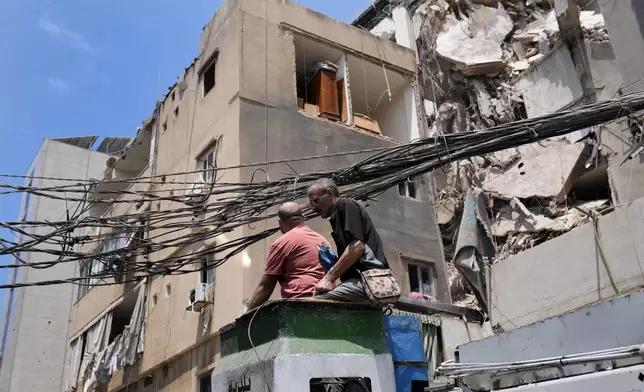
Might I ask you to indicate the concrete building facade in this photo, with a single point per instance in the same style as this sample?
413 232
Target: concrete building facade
237 104
36 319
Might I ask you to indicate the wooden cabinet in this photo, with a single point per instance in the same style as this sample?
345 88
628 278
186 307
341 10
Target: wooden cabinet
322 90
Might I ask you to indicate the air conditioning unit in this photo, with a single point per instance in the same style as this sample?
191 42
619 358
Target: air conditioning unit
198 297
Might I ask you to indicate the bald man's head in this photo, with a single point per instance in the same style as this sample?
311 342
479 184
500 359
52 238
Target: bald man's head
290 215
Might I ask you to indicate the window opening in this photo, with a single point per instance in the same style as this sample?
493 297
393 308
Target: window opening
168 290
205 384
139 235
149 380
208 270
207 164
83 287
122 315
208 74
382 100
421 279
319 74
410 188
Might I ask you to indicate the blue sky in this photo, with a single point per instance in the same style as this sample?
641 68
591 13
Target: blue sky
90 67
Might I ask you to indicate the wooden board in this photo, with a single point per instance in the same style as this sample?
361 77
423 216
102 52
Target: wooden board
342 101
311 109
363 122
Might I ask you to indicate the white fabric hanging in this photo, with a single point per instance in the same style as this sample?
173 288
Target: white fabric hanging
92 346
123 350
102 340
134 334
90 383
73 364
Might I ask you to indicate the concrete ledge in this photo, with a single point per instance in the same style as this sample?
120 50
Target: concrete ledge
567 272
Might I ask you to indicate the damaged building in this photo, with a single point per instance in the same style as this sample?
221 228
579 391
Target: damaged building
483 63
273 82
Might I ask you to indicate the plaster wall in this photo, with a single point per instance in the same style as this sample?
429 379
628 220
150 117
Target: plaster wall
568 272
393 118
38 324
625 24
553 84
627 180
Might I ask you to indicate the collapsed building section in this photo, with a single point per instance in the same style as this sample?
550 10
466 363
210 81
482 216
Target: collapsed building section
483 63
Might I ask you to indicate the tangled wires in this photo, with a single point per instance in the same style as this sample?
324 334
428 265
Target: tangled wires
230 206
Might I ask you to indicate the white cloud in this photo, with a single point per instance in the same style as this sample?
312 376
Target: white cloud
68 37
58 84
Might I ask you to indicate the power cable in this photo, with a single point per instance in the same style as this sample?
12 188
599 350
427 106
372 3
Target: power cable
233 206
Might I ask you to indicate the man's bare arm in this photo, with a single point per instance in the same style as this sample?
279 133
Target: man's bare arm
263 291
349 257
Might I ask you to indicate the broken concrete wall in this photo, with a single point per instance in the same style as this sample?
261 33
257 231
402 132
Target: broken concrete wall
550 85
459 331
473 44
625 23
544 169
569 272
626 180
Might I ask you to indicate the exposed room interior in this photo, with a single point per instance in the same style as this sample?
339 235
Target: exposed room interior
352 90
122 314
379 94
319 78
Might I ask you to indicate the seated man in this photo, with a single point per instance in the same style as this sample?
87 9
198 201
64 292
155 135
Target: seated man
292 259
357 241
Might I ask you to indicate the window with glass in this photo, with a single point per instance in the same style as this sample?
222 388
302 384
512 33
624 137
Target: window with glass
207 164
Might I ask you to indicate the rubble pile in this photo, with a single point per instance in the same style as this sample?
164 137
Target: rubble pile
477 59
483 63
473 52
531 195
594 27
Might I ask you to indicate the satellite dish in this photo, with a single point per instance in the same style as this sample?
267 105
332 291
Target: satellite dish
183 85
197 193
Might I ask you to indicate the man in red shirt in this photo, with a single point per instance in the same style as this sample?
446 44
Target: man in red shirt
292 259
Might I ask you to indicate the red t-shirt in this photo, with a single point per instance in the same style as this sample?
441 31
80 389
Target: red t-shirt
294 258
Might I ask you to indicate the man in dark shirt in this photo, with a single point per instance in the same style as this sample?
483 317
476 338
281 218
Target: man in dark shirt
357 241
